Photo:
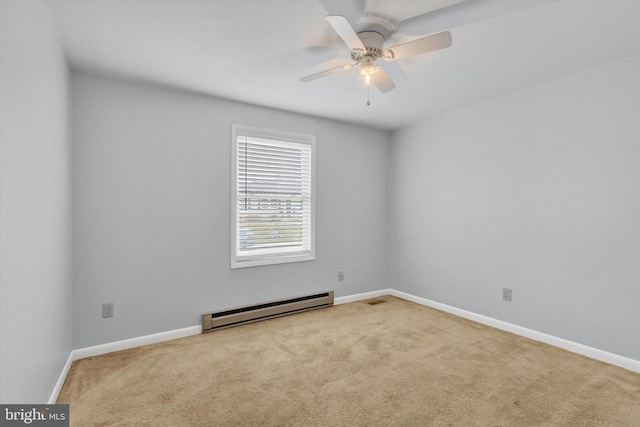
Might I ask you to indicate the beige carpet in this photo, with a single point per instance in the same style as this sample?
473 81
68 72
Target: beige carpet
394 363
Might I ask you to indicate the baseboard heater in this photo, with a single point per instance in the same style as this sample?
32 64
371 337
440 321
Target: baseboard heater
221 319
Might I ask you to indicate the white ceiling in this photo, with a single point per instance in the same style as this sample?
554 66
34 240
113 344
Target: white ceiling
255 51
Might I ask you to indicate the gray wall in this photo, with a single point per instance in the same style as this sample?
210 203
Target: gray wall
538 191
151 206
35 207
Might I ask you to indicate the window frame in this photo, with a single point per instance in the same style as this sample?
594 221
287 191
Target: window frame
281 136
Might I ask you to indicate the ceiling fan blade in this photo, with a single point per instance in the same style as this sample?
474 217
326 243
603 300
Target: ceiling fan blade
327 72
350 9
401 10
382 81
415 47
346 32
464 13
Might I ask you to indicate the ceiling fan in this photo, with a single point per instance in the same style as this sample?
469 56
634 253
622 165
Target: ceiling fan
368 46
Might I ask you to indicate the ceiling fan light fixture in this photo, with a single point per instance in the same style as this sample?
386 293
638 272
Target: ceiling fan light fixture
368 70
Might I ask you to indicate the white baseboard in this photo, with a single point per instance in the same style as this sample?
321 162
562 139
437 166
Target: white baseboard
63 376
360 297
594 353
97 350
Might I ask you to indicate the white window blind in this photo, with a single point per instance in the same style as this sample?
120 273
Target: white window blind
273 197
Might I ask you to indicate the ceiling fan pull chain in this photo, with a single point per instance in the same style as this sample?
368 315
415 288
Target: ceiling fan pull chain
367 83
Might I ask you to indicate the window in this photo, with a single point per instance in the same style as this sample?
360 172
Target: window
273 197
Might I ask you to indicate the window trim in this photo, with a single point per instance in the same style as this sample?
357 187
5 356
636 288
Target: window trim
276 135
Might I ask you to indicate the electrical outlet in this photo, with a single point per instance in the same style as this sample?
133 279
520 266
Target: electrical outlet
107 310
506 294
340 276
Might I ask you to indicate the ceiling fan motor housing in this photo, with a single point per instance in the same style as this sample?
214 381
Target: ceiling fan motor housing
373 41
